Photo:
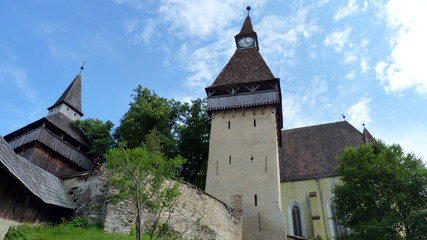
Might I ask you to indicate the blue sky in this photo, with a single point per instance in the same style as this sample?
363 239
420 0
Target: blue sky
364 59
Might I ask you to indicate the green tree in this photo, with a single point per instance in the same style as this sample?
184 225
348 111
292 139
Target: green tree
193 141
383 194
99 135
143 173
148 111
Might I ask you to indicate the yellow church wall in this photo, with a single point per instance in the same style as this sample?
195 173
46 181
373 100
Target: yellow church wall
312 196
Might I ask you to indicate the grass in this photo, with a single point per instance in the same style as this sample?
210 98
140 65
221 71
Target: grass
78 229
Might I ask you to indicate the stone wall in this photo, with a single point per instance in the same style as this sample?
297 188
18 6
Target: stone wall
196 214
89 192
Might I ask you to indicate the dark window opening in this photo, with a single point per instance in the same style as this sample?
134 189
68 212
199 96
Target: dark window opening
229 159
228 124
296 221
254 122
256 200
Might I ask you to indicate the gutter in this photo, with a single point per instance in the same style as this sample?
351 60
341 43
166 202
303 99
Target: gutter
323 210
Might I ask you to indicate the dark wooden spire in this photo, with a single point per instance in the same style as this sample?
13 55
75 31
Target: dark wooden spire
247 27
72 95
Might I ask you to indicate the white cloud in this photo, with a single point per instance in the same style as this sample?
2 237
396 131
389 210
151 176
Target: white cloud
405 66
300 108
200 18
345 11
19 78
359 112
350 57
363 66
141 29
62 53
350 76
283 34
337 39
204 63
134 3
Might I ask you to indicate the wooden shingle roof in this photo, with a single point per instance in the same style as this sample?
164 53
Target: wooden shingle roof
42 184
310 152
247 27
72 95
245 66
63 122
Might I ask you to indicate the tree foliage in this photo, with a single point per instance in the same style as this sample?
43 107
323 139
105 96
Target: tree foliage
193 141
143 173
99 135
148 111
383 194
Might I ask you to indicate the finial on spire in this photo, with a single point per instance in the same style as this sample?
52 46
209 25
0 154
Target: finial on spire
248 8
363 125
82 67
343 116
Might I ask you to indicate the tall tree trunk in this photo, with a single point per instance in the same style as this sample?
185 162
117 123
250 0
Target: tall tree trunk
138 220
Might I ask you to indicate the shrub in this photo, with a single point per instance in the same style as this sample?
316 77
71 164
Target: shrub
22 232
80 223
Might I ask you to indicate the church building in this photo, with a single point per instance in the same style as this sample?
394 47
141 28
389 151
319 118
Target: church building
51 142
280 179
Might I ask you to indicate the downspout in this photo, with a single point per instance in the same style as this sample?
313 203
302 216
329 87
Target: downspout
323 210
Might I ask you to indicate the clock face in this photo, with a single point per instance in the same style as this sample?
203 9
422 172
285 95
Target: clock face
246 42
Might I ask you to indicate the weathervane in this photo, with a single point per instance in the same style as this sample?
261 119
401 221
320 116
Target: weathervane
82 67
248 8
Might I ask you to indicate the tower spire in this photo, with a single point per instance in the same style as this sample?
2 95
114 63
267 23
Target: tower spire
70 102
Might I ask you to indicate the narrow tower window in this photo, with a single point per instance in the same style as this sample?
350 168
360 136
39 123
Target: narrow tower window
229 159
228 124
265 164
254 122
256 200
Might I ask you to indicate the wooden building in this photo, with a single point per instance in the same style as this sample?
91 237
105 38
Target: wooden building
51 142
29 193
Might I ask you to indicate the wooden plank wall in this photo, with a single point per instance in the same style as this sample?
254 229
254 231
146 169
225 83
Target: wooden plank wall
17 203
49 160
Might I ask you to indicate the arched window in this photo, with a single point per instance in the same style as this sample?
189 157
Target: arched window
335 228
296 219
338 229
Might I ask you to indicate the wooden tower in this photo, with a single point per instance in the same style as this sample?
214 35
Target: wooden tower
245 106
51 142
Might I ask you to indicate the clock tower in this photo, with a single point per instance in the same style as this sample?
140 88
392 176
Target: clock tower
244 103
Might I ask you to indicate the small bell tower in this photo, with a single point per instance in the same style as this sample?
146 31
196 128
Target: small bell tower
70 102
245 106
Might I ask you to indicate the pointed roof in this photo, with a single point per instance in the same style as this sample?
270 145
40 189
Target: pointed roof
72 95
247 27
367 137
245 66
